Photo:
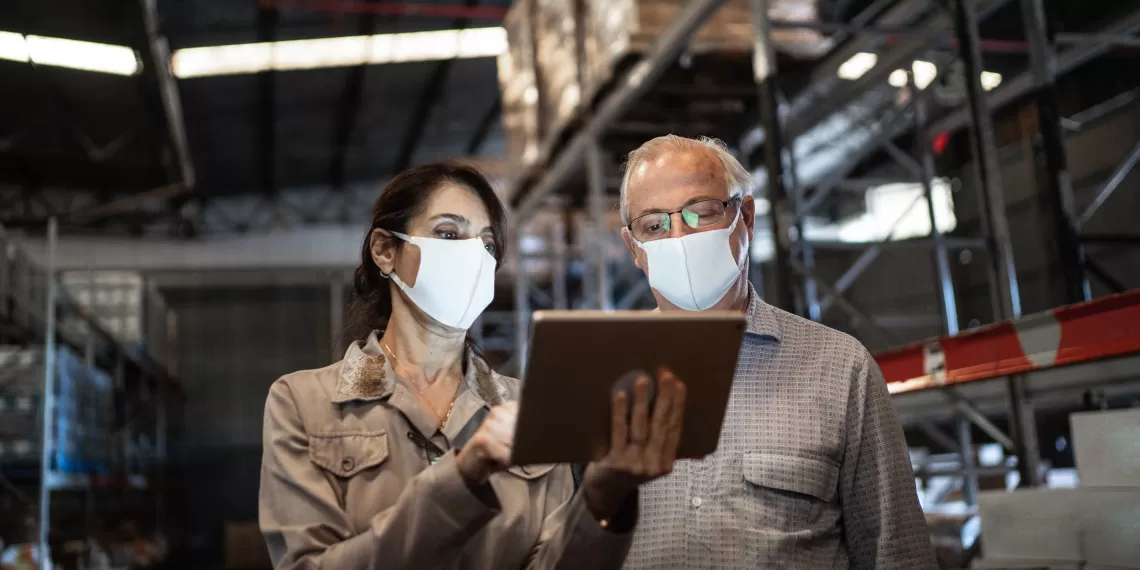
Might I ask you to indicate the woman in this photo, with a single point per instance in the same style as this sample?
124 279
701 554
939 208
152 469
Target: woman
396 457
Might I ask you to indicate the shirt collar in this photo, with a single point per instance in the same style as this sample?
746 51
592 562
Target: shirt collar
363 376
761 317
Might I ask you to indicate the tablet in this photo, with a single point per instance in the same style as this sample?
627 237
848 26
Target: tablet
577 359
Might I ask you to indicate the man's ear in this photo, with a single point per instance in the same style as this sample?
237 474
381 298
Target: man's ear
383 247
748 212
637 253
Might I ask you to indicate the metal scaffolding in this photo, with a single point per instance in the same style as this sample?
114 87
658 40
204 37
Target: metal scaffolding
795 282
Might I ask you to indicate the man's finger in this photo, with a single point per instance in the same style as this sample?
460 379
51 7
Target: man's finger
676 423
659 424
619 429
639 423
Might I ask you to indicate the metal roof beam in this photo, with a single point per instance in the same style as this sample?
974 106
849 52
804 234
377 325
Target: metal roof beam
347 112
484 128
425 104
267 111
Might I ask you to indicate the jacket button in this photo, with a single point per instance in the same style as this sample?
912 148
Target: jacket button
347 464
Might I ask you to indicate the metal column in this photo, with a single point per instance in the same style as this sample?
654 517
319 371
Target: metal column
969 464
947 302
47 444
597 226
559 257
1053 167
522 302
781 212
1007 299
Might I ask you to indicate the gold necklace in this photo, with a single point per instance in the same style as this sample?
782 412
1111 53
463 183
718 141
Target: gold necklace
427 400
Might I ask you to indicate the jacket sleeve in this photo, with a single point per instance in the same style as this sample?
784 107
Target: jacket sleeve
884 525
571 538
305 527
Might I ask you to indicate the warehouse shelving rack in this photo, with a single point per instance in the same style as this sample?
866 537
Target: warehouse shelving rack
35 311
927 398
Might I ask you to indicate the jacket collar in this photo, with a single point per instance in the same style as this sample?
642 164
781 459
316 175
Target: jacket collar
363 375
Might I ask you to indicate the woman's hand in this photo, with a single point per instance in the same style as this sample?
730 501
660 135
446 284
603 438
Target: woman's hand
489 450
642 448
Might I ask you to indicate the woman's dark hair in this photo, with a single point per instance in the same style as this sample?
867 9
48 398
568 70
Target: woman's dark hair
400 201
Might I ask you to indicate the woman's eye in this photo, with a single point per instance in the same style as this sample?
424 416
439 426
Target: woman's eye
448 234
490 247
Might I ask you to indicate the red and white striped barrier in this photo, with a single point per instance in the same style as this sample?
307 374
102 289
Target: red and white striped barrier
1084 332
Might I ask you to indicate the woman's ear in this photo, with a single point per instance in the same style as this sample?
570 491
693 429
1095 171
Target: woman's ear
383 246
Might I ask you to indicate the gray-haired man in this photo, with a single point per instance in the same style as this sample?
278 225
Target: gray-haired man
812 470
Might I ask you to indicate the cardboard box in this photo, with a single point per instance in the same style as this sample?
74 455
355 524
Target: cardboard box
1107 447
245 547
1053 526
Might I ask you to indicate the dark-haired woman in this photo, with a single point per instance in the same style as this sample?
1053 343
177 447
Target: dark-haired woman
397 456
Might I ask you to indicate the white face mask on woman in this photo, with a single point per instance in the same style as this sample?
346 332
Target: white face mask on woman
693 272
455 282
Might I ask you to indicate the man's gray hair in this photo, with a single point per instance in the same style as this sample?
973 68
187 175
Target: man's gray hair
738 179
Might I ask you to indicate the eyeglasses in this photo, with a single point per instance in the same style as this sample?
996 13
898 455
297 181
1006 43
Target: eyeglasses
699 215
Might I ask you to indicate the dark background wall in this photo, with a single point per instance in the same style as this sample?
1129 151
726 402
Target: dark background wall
233 343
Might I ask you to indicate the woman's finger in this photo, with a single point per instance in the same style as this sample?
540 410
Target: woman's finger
639 422
619 429
498 453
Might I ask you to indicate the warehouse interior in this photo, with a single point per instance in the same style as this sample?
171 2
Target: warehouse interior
184 187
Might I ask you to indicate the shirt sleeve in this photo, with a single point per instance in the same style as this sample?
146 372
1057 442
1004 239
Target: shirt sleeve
305 527
884 525
572 538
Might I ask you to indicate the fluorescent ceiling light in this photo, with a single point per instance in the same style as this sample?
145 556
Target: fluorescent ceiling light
339 52
13 47
859 64
990 80
924 73
897 78
58 52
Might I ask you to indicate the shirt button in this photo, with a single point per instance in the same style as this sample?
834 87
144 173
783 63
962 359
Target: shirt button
697 502
347 464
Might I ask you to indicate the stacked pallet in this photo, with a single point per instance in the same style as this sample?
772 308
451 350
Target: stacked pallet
81 417
1093 527
563 54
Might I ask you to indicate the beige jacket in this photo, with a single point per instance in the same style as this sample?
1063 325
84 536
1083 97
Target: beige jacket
350 481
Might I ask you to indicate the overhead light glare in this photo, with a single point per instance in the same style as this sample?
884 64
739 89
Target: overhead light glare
897 78
858 65
339 52
924 73
13 47
990 80
74 54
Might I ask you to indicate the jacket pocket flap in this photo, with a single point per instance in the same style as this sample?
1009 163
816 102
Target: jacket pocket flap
789 473
346 454
531 472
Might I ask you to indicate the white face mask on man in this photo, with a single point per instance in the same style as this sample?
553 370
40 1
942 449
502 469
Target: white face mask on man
455 281
693 272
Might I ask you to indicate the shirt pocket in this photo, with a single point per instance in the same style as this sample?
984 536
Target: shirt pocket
787 493
347 454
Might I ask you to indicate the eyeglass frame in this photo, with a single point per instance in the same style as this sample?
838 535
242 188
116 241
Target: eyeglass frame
735 200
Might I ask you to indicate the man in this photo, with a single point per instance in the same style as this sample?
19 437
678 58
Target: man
812 470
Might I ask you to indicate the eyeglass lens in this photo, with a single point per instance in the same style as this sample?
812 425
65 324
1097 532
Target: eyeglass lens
658 224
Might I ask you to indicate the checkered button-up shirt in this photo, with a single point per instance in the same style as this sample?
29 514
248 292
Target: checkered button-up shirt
811 471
